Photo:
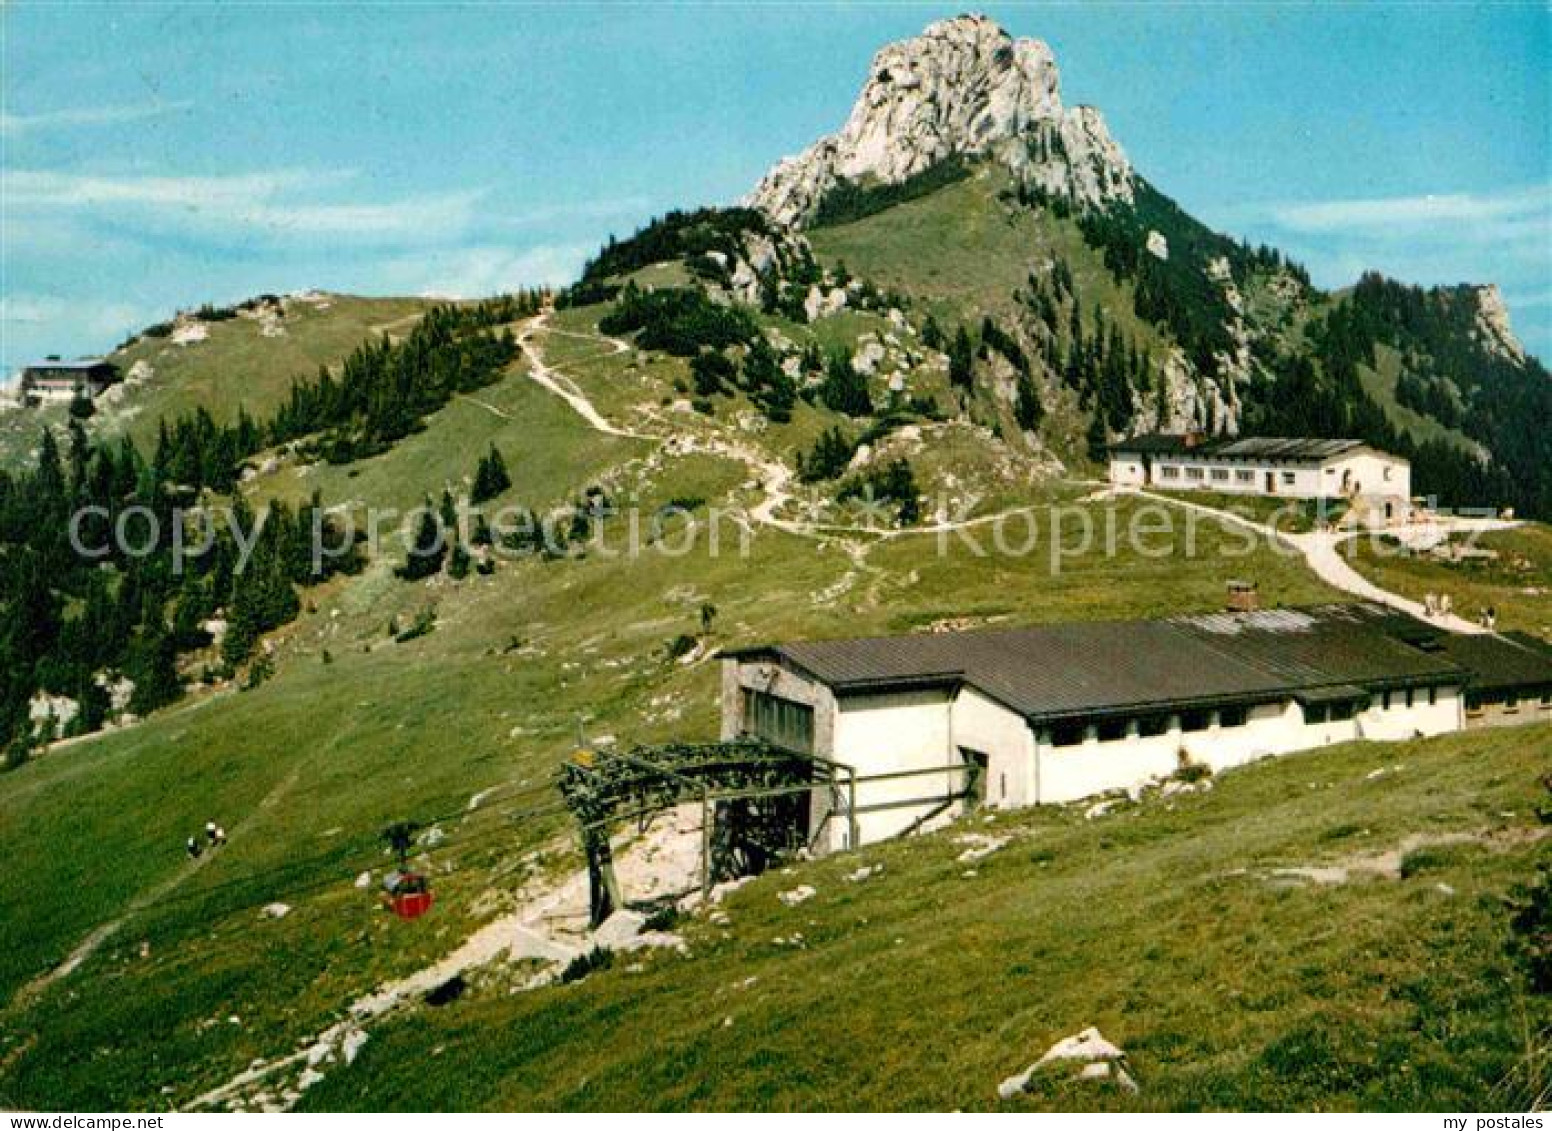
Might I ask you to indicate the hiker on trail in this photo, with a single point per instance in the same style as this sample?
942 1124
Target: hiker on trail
1446 606
194 849
220 835
210 833
1430 605
1490 618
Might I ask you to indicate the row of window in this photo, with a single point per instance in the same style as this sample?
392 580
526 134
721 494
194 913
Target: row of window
1148 726
1329 713
1410 697
1508 700
1219 474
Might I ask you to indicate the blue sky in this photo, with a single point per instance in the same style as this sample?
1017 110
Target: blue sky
158 156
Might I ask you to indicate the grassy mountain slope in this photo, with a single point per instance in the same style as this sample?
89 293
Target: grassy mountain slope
1166 925
355 730
236 365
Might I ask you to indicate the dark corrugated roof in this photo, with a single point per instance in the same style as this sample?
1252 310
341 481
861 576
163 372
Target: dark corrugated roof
1099 667
1253 447
1499 663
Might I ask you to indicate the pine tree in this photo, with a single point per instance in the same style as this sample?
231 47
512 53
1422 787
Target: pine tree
490 478
845 389
961 360
427 549
1027 409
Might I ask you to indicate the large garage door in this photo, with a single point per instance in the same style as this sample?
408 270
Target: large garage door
781 721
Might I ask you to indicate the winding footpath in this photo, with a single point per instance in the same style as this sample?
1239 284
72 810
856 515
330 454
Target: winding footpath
1321 550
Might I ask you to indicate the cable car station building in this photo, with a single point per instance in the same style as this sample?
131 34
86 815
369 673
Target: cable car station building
933 725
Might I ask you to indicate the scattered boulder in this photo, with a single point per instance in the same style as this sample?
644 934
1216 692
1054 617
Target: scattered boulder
1096 1057
980 846
800 894
276 910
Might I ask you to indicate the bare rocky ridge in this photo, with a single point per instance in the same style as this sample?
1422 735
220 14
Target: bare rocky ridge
1492 328
964 87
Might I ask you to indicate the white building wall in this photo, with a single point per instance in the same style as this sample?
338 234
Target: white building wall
1400 722
925 730
1128 471
879 734
989 728
1296 481
1375 474
51 393
1066 773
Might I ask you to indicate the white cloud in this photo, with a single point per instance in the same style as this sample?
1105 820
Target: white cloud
274 203
577 210
39 323
472 272
1514 209
11 124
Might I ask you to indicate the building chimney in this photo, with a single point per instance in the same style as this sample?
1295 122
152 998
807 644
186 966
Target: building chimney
1243 597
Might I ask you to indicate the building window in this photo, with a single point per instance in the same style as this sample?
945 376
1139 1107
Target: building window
1195 720
1150 726
1289 479
1385 701
1167 472
1194 473
779 721
1233 717
1067 734
1112 730
1387 475
1341 712
1546 697
1245 475
1220 474
1433 696
1315 713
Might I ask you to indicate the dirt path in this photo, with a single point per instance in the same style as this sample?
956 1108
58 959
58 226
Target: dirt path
564 387
1322 552
100 934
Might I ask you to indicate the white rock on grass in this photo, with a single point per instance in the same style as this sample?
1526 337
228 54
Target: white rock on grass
867 871
276 910
797 895
979 847
1097 1057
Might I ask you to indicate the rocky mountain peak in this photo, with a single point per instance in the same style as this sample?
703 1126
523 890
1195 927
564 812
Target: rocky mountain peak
964 87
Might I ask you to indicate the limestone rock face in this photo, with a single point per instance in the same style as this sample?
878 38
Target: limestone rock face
1492 325
964 87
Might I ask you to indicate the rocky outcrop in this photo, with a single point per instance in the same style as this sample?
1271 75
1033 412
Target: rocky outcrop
964 87
1492 325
